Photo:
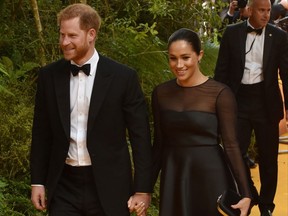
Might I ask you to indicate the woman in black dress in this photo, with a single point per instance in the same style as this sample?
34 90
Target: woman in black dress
191 112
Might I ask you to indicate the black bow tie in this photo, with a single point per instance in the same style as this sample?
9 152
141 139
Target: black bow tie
250 29
75 69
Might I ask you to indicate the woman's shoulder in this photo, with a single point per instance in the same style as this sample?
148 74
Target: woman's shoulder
217 88
216 84
221 90
166 85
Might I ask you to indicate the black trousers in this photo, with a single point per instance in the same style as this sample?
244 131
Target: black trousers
252 116
76 194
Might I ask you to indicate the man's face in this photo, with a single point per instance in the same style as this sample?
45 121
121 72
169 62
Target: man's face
75 42
260 13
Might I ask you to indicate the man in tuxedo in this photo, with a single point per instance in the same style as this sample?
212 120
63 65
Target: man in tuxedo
250 56
85 107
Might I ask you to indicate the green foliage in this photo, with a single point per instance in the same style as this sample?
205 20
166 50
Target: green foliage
209 59
14 73
142 50
2 186
15 137
3 70
133 32
15 130
14 199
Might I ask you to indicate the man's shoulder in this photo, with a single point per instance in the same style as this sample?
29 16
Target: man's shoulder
235 29
237 25
112 64
54 67
167 86
56 64
276 29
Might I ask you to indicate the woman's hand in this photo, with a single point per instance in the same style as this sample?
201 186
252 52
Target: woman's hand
243 205
139 203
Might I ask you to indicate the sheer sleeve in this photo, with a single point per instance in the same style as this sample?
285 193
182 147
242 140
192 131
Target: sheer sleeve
157 140
226 110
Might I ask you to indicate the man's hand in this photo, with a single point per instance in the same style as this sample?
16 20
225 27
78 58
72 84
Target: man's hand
139 203
232 7
38 197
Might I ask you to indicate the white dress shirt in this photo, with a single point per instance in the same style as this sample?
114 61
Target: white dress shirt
80 95
253 70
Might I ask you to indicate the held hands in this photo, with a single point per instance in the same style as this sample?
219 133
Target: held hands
139 203
38 197
243 205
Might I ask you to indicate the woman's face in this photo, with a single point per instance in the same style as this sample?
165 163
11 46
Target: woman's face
183 60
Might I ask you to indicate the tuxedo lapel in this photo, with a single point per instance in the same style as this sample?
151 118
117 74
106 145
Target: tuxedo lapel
242 42
62 89
100 88
267 46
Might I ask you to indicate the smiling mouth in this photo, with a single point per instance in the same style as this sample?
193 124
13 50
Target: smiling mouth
68 50
181 71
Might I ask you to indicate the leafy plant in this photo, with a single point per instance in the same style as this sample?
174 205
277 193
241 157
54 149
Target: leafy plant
15 130
14 199
134 32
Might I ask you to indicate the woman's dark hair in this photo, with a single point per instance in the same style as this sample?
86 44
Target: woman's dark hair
187 35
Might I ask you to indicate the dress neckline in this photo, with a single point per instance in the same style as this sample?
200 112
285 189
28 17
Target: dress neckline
208 78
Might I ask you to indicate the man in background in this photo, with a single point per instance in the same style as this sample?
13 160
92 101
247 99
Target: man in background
250 56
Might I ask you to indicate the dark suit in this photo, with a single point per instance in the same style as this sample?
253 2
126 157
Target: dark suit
117 103
229 70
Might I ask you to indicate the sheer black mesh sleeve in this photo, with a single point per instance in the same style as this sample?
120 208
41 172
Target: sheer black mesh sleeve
157 141
227 117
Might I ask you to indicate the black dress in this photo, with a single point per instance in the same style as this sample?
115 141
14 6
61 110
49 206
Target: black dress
194 171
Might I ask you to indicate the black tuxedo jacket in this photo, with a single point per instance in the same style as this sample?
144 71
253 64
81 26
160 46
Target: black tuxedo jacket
117 105
231 61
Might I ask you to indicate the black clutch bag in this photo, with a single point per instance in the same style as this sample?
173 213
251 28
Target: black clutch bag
225 201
